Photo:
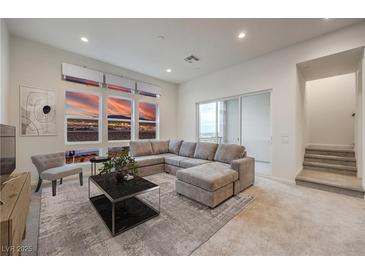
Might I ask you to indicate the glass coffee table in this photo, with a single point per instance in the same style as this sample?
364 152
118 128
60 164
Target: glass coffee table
118 205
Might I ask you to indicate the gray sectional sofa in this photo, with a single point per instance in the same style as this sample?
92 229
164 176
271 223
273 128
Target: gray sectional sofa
206 172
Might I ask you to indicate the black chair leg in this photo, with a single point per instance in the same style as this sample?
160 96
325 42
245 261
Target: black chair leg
54 184
61 181
39 184
81 179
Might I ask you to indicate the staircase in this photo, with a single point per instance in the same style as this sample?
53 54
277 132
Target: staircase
331 169
340 161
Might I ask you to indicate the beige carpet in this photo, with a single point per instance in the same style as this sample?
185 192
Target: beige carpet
69 225
287 219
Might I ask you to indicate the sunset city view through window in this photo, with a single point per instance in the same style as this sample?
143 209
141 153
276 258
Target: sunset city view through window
83 123
119 118
147 120
82 115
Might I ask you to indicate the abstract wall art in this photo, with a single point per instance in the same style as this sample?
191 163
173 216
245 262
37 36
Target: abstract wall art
37 112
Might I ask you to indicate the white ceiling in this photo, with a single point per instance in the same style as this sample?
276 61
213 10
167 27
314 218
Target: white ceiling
134 43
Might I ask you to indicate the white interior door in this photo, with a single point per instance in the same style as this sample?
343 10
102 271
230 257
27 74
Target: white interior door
256 126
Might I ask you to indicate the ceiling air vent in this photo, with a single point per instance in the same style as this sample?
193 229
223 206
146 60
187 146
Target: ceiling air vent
191 59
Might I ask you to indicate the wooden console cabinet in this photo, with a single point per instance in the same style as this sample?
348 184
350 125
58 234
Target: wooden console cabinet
15 195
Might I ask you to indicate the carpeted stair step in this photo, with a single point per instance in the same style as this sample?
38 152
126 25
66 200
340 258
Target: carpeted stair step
339 169
341 152
342 184
329 159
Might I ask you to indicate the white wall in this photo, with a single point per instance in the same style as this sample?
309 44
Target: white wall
4 74
362 69
330 103
276 71
39 65
358 121
300 125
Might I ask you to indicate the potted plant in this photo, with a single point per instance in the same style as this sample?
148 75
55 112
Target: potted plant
123 165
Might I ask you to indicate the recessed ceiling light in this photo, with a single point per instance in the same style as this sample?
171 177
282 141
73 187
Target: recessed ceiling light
241 35
168 70
84 39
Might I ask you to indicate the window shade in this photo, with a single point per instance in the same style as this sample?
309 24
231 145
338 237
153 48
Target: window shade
119 83
82 75
148 89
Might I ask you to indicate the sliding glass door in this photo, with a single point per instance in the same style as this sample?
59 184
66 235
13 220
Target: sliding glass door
230 121
245 120
219 121
208 122
256 126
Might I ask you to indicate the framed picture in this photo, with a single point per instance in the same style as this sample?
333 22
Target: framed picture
37 112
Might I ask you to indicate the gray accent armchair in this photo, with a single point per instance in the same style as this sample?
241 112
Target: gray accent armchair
52 167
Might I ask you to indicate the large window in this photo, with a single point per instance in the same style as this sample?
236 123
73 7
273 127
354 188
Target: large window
80 156
119 118
113 107
125 119
118 151
82 117
148 122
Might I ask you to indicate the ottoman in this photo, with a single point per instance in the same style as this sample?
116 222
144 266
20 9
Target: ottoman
209 184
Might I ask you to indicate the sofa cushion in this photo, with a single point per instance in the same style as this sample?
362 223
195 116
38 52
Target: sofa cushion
150 160
174 146
187 149
205 151
160 147
208 198
140 148
166 155
210 177
175 161
226 153
60 172
191 162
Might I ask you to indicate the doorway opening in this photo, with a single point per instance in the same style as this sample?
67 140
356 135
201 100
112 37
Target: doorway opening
329 129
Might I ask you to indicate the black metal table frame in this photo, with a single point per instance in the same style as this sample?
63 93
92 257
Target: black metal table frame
113 202
93 165
93 168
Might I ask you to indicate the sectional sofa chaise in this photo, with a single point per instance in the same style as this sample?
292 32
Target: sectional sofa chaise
206 172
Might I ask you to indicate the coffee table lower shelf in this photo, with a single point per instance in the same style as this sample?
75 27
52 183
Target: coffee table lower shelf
128 213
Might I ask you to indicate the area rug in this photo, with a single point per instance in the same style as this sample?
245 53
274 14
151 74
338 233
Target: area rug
69 225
